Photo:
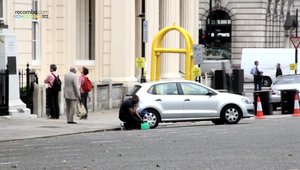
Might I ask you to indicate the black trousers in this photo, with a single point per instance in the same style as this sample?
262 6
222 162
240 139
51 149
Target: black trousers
84 97
53 103
132 122
257 83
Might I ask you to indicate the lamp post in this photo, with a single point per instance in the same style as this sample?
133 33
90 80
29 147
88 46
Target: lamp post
296 49
143 39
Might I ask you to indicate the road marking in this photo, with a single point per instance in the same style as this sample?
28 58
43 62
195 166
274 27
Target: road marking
73 150
217 130
102 142
6 163
8 158
69 154
57 147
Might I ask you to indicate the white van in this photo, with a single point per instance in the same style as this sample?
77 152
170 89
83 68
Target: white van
268 58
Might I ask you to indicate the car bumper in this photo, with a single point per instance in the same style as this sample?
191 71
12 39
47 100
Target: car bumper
248 111
275 98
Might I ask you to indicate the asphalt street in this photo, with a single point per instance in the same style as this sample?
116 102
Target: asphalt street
252 144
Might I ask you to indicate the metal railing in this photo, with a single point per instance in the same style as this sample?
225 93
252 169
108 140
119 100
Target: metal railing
27 86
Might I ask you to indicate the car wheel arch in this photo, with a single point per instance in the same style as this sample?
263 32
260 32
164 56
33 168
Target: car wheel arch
156 113
228 106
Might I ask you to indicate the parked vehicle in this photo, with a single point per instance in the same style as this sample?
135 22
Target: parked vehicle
268 58
284 82
183 100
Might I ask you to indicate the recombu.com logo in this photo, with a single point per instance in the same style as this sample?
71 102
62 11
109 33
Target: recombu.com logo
31 14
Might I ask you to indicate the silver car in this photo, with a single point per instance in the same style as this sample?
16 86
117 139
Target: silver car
284 82
182 100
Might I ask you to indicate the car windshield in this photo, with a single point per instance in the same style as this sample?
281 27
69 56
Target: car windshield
293 79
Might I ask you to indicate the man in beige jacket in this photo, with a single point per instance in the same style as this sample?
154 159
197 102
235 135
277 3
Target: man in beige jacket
71 94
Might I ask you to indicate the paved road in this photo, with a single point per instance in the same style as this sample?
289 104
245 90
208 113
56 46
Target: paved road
272 143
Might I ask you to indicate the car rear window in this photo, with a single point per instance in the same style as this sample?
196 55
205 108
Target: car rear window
134 90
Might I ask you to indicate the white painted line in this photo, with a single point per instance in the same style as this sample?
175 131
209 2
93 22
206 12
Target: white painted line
75 154
57 147
8 158
96 142
6 163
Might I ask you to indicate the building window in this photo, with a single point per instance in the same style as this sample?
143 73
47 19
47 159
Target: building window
35 33
85 30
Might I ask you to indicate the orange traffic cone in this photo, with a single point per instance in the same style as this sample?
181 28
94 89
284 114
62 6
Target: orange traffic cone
296 106
259 112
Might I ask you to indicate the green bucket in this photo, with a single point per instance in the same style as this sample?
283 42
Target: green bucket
145 126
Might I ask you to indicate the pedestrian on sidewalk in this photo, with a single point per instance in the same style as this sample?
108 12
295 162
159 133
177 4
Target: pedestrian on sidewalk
71 94
85 88
52 95
257 72
278 70
129 115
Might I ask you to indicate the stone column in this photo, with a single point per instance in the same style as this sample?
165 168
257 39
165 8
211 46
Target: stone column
152 16
122 38
189 11
170 14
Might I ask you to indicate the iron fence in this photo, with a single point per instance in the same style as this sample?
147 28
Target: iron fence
27 86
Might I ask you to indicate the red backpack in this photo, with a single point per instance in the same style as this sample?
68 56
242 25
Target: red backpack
87 85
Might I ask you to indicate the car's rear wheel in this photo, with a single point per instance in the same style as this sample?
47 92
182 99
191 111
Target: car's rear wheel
152 117
218 121
231 114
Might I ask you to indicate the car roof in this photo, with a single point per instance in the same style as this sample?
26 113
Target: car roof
166 81
282 77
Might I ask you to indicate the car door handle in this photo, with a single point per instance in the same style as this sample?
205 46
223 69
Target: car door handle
187 100
158 100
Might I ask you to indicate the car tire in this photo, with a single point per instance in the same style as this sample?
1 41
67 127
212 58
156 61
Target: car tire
266 81
231 114
152 117
218 121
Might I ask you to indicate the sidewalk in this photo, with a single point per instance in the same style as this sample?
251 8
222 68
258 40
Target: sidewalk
17 129
14 129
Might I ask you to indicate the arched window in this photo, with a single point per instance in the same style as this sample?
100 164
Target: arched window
218 30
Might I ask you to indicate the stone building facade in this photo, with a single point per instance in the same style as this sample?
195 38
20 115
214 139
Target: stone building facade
105 35
254 24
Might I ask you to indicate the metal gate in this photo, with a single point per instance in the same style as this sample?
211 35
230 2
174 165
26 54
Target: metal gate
27 86
4 98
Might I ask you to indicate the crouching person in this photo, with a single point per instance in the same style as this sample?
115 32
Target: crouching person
129 115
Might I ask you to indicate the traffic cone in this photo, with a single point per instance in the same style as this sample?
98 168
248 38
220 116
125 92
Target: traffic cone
296 106
259 112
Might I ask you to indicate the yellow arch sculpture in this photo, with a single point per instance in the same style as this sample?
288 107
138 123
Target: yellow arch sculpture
157 50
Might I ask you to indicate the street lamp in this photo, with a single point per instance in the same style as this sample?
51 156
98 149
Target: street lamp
143 39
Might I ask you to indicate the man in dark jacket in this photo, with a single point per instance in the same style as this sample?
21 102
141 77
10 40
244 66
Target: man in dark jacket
278 70
129 115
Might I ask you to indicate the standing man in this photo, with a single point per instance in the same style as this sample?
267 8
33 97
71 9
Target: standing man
71 94
52 94
278 70
129 115
257 76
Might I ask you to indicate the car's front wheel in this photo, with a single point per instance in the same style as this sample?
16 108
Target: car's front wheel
152 117
231 114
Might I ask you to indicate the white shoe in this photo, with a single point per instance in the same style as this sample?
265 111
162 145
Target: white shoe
122 126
